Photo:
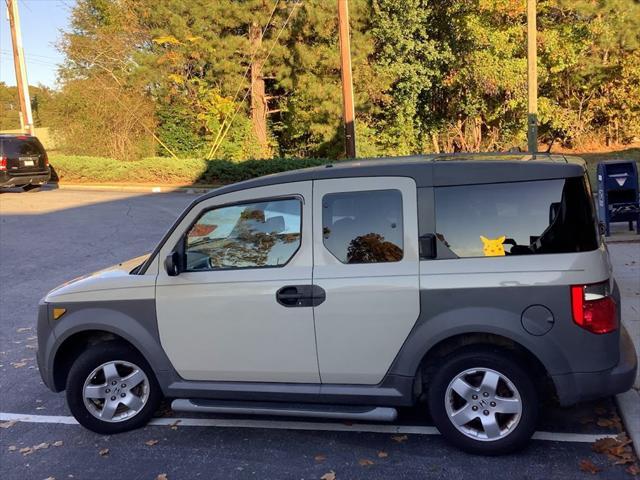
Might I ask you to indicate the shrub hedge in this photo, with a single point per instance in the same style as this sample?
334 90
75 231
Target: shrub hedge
160 170
194 171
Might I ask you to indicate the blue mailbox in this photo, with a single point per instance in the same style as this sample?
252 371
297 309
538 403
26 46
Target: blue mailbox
618 199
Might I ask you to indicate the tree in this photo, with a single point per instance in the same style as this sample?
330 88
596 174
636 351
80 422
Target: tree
240 79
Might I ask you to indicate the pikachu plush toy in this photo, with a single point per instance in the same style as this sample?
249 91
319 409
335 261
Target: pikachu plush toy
493 248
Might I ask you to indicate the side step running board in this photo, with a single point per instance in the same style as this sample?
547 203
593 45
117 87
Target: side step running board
342 412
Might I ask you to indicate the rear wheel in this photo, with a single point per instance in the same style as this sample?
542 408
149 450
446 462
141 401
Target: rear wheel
112 389
483 402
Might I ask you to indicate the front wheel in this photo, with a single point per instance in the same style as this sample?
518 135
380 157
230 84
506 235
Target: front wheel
483 402
112 389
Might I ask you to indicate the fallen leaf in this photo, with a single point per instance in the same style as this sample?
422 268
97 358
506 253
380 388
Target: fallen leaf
605 422
382 454
400 438
18 364
320 458
23 329
162 476
59 443
151 443
603 444
365 462
633 470
103 452
50 478
588 466
624 459
26 451
40 446
174 425
329 476
600 410
8 424
12 448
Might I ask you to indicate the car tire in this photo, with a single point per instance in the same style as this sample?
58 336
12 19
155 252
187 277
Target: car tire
111 389
32 188
483 402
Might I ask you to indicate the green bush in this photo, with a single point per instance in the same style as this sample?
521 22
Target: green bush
162 170
193 171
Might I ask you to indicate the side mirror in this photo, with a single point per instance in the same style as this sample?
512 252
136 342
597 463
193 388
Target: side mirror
602 228
428 249
173 264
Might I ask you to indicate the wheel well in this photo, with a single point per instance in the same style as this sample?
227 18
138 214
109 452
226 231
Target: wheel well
73 346
429 363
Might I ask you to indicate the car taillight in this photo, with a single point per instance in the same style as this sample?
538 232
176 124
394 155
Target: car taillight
3 163
46 159
593 308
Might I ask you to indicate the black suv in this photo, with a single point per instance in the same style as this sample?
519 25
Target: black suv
23 162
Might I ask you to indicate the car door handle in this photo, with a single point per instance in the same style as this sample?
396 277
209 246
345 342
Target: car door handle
300 296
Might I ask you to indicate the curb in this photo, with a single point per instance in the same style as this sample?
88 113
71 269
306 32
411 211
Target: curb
629 406
135 188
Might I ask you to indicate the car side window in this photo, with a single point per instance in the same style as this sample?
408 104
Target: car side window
247 235
363 227
522 218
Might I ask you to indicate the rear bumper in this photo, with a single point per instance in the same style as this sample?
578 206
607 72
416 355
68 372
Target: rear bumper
8 179
577 387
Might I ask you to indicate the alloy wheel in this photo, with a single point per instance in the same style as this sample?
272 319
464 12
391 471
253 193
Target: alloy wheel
116 391
483 404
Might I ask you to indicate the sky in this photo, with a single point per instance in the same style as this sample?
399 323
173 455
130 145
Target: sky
41 22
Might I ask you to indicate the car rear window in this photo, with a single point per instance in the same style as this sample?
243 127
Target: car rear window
520 218
21 146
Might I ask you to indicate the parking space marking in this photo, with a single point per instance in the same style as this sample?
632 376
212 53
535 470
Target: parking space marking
294 425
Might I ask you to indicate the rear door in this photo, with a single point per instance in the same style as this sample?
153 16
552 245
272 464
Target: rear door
24 154
365 233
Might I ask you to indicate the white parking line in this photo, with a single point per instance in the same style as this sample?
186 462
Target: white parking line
293 425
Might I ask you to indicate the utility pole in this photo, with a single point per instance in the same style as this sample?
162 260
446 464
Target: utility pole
26 119
532 78
347 80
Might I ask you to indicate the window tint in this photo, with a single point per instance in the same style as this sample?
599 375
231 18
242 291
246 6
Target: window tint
262 234
21 146
522 218
363 227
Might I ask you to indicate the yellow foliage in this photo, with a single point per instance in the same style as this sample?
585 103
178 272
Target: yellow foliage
167 39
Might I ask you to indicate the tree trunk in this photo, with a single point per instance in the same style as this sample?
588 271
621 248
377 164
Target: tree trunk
258 98
434 139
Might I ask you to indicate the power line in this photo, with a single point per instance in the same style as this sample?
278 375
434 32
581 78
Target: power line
31 54
244 75
33 61
275 42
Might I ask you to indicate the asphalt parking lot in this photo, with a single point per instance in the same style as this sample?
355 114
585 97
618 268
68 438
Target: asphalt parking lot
52 236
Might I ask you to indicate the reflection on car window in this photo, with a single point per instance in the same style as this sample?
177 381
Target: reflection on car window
522 218
262 234
363 227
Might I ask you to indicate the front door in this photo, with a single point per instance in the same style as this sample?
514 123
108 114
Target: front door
366 260
233 314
